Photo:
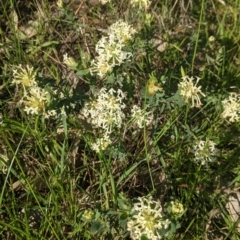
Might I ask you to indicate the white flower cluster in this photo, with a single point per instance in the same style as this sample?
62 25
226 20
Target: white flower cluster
148 220
231 107
190 91
88 214
140 3
205 151
110 49
141 117
104 1
121 31
24 76
101 144
60 3
105 112
177 208
70 61
34 98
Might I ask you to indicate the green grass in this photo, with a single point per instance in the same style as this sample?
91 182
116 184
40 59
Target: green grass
54 185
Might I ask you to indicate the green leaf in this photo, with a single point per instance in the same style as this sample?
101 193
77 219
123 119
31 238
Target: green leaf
122 204
82 72
46 44
236 179
123 216
97 227
110 79
183 72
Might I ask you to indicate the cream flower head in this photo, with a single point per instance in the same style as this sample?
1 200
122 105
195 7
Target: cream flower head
121 31
177 208
110 49
25 76
69 61
101 144
231 107
189 90
148 220
205 151
141 3
105 110
35 100
140 116
104 1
